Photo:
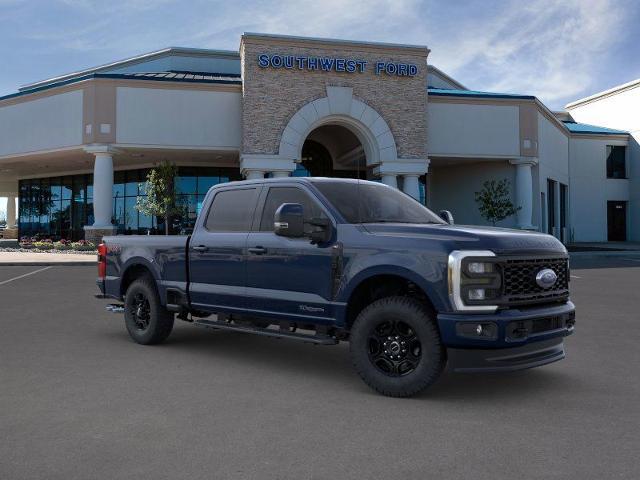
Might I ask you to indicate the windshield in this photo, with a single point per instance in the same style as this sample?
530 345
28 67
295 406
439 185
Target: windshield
369 202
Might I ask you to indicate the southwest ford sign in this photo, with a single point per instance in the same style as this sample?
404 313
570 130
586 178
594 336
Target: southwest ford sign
334 64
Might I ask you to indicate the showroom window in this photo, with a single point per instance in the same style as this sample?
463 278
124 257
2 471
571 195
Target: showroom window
616 161
59 207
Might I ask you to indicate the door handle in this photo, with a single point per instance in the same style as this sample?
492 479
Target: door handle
200 248
257 250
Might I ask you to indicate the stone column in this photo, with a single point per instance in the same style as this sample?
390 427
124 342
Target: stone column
11 212
390 179
410 169
411 185
253 166
524 191
102 193
253 174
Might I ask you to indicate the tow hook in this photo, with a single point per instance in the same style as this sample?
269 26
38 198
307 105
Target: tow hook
115 308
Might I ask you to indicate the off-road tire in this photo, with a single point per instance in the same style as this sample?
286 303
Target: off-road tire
142 298
417 322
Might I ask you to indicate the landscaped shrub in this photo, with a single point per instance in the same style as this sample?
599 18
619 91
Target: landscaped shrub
26 242
43 244
63 245
83 245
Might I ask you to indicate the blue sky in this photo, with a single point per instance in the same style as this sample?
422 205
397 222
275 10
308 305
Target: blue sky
557 50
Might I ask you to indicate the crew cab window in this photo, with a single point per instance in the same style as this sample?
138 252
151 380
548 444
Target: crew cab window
368 202
231 211
279 195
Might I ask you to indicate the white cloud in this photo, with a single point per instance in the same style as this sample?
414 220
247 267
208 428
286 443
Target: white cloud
547 48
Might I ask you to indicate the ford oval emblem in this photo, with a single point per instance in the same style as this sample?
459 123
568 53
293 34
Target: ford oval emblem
546 278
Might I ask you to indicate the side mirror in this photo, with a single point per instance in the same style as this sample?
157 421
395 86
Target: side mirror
446 216
289 220
321 230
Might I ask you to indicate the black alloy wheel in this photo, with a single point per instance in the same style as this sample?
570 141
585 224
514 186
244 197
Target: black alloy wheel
141 311
146 319
394 348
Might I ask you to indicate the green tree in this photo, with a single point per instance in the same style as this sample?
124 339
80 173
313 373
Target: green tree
161 199
494 201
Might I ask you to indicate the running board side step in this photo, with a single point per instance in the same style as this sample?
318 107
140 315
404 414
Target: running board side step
265 332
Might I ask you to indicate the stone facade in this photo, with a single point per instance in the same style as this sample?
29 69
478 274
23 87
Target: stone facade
272 96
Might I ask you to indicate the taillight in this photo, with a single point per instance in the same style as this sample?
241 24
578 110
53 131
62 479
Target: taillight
102 260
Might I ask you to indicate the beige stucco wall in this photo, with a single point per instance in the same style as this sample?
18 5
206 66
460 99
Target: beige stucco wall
619 110
272 96
453 188
178 117
50 122
461 129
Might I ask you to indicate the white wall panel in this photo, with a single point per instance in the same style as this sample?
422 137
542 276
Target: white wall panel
590 189
190 118
453 188
464 129
43 124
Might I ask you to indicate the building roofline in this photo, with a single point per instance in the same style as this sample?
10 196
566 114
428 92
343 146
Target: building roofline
588 129
448 78
120 76
336 41
132 61
445 92
605 93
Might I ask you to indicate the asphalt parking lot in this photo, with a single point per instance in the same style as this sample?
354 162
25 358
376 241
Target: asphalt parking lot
79 400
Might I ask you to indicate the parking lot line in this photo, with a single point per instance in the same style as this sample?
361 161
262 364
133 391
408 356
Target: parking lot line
25 275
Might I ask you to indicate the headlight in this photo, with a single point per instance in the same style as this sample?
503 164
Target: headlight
474 280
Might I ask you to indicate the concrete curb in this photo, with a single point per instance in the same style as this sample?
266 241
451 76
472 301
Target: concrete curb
610 253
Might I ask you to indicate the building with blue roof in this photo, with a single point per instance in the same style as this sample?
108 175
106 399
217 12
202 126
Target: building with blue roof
75 148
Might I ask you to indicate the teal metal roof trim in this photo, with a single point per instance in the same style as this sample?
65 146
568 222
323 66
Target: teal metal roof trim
185 77
585 128
443 92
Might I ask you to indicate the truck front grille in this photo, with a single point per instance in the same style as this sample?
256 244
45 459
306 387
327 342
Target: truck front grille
519 285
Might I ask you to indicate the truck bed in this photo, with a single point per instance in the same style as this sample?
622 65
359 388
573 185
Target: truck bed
165 256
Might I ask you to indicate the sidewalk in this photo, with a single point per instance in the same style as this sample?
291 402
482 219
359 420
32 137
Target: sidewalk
604 247
37 259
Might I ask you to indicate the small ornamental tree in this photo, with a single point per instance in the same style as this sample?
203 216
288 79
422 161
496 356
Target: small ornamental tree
494 201
160 199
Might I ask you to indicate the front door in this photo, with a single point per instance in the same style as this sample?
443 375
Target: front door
217 251
288 278
617 221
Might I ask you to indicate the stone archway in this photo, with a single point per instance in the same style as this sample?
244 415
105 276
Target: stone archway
339 107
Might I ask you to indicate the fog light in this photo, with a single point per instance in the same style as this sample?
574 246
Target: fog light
478 331
477 294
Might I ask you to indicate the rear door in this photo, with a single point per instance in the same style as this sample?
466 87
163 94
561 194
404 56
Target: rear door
288 277
617 221
217 251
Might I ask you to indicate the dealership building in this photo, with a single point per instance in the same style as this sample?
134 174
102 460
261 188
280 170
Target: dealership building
75 149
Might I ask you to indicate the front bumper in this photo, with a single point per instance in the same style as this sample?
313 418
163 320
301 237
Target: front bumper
525 356
506 328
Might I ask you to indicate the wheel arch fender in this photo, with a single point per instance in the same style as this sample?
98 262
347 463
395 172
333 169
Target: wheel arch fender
429 289
135 267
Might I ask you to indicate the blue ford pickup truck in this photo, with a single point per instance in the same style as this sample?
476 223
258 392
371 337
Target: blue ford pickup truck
327 260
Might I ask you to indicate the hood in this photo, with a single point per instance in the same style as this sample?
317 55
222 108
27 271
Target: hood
467 237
